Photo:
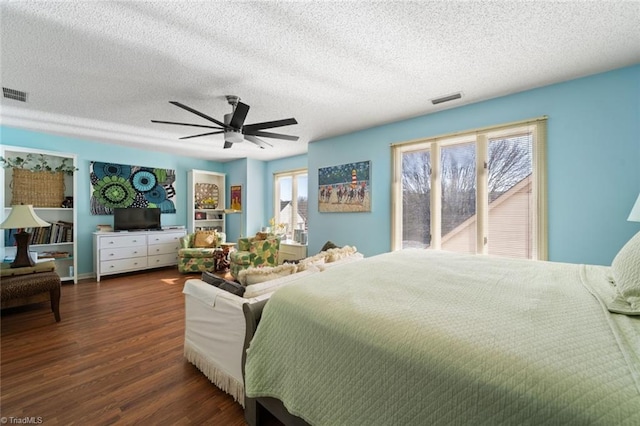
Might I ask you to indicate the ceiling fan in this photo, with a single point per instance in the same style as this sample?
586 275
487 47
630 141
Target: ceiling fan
233 127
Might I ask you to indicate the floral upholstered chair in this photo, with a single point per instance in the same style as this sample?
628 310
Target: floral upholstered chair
261 250
198 251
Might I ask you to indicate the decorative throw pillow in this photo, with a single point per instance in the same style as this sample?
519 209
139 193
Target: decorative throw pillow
257 275
336 254
328 245
261 236
314 261
205 239
352 258
222 284
626 273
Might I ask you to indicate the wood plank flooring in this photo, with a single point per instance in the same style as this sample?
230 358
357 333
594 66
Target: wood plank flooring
115 358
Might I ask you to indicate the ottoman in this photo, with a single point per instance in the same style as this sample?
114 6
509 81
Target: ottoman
28 288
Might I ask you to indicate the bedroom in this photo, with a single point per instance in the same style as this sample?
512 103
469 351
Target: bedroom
593 154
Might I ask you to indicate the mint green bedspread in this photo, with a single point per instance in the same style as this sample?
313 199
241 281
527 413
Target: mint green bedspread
419 337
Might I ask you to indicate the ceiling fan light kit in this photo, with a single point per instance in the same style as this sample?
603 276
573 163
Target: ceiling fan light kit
233 127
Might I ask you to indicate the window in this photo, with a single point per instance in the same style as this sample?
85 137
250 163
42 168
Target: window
481 191
291 201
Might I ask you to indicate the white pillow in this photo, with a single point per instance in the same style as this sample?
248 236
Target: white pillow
336 254
255 290
257 275
314 261
348 259
626 273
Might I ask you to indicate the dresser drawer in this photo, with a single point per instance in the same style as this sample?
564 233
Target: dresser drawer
166 248
123 253
123 241
163 260
163 237
113 266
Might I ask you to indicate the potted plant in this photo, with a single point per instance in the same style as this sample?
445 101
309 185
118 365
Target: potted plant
39 163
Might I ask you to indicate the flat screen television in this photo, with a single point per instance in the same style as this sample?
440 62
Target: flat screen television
135 219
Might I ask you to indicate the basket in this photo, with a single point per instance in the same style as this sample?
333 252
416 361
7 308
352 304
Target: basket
41 189
206 196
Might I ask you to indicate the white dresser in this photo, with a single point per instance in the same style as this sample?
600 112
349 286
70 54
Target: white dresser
117 252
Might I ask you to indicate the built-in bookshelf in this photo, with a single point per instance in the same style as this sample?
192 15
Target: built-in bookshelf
206 201
57 242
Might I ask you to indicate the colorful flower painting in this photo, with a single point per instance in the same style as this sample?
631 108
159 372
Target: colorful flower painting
118 185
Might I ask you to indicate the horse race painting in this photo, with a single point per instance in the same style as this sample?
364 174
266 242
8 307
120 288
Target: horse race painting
345 188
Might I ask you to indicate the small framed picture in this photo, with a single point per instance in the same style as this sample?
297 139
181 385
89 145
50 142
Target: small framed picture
200 216
236 197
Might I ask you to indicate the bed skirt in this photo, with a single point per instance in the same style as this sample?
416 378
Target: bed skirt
218 377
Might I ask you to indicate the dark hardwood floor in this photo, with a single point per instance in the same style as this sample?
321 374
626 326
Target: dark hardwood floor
115 358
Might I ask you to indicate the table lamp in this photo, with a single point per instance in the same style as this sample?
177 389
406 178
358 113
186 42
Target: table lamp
21 217
634 216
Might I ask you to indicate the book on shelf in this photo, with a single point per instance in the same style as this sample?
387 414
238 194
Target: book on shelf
58 232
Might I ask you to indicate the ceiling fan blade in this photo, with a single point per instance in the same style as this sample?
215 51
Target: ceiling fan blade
251 128
262 144
276 136
239 114
202 134
227 144
198 113
185 124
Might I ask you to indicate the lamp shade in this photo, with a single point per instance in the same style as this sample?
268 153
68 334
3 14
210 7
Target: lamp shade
23 216
634 216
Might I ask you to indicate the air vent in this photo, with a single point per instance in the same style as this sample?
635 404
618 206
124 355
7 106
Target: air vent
446 98
14 94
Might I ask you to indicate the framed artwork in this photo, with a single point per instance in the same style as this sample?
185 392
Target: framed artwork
345 188
200 216
236 197
121 185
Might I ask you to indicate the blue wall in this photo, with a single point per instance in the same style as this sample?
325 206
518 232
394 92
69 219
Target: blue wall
593 169
236 174
255 196
593 157
88 151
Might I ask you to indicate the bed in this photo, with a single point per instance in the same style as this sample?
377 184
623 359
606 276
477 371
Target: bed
418 337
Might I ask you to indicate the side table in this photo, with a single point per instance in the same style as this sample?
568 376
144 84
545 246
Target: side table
222 257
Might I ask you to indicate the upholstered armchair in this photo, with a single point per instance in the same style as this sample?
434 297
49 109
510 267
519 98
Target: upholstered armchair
261 250
197 251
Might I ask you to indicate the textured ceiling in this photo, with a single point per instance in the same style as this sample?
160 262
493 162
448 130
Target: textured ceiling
103 70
